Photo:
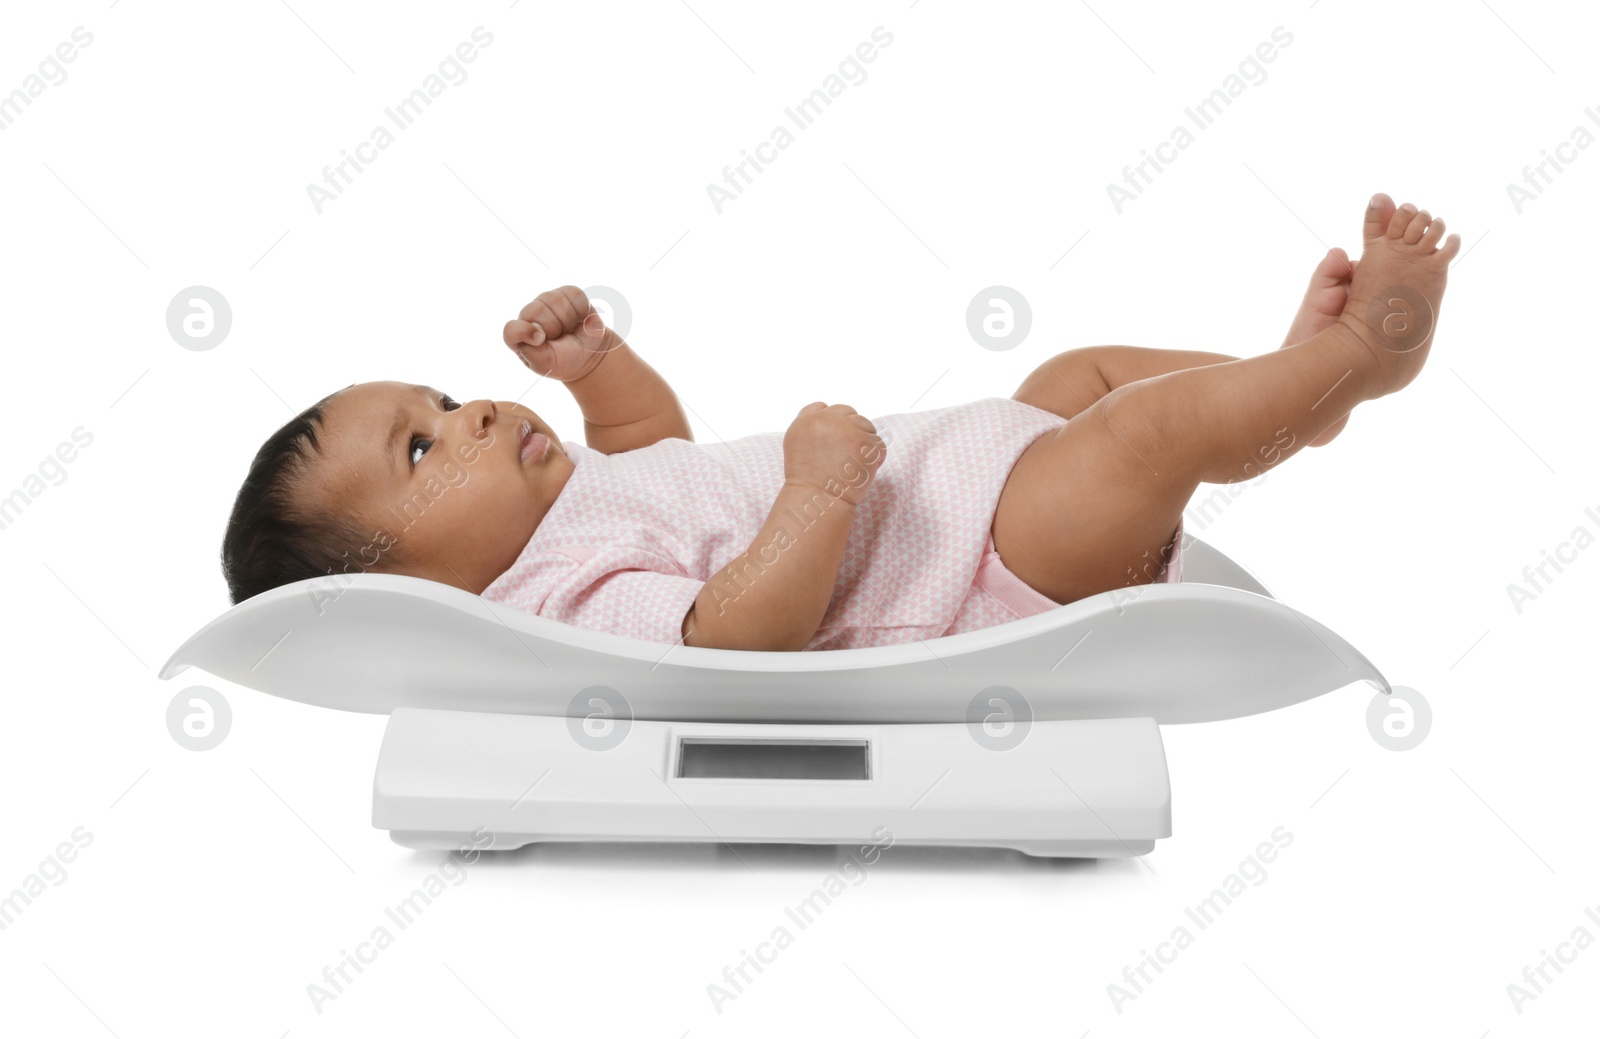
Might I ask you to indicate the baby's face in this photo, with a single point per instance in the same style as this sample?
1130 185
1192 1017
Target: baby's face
447 481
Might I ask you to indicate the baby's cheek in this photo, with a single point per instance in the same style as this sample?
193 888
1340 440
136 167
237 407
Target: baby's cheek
470 451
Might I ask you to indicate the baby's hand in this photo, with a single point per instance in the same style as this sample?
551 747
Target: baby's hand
561 335
833 449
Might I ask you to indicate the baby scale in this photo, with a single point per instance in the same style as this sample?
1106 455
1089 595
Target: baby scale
1040 734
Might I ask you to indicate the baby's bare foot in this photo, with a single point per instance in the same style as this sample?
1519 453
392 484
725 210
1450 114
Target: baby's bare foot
1325 299
1326 294
1397 290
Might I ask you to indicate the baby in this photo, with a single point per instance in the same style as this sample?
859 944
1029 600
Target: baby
842 531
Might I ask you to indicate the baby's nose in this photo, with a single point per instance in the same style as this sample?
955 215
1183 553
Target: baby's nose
489 413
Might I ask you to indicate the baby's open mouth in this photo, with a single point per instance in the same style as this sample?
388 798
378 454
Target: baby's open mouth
533 444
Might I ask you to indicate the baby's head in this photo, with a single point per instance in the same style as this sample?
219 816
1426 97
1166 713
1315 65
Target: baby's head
390 477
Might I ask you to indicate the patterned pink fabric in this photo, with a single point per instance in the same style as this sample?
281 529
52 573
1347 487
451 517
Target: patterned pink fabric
632 537
998 595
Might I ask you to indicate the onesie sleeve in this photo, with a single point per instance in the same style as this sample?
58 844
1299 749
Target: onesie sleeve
628 590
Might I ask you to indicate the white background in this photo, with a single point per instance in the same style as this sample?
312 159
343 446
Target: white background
977 151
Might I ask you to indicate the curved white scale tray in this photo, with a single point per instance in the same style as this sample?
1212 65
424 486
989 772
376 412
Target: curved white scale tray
1217 645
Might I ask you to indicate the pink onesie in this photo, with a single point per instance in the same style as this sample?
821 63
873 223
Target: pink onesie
632 537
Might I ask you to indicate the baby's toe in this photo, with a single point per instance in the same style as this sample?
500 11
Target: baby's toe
1380 211
1417 228
1402 219
1435 232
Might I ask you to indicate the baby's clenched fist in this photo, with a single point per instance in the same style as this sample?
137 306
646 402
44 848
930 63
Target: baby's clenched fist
831 448
561 335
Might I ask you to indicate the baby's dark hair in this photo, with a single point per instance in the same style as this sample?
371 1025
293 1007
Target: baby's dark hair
272 539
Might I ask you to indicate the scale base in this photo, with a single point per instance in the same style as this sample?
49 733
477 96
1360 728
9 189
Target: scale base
461 780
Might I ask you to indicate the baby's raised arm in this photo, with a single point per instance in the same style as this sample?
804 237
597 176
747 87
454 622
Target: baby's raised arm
626 404
774 596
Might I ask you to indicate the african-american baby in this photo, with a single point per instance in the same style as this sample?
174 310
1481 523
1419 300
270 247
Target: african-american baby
841 531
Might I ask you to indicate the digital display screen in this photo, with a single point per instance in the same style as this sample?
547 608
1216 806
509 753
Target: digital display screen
707 757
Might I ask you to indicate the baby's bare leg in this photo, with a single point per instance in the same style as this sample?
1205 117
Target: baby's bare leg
1094 506
1073 380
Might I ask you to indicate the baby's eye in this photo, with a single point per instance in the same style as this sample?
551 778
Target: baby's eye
449 404
414 442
